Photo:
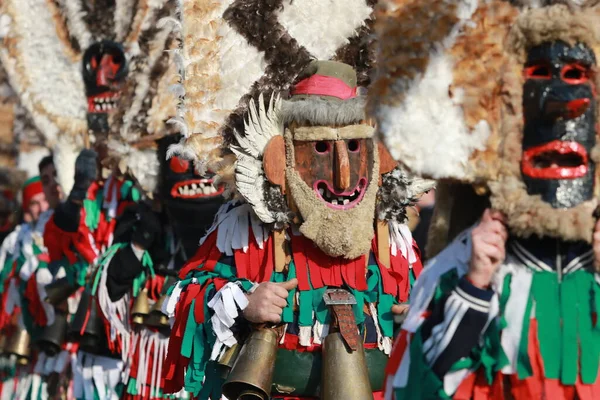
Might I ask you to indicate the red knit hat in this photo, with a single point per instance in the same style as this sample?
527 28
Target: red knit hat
31 187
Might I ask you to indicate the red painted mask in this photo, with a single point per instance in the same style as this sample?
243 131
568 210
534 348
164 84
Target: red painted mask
104 73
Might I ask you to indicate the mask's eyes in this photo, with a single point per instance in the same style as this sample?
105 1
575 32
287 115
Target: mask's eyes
178 165
353 146
575 74
538 71
322 147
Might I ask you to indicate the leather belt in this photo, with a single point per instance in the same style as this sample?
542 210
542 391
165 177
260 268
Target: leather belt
340 301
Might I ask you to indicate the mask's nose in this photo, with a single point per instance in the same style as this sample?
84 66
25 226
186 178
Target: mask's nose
107 71
565 109
342 166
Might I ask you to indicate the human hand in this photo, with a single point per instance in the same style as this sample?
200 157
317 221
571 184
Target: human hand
489 239
267 302
86 171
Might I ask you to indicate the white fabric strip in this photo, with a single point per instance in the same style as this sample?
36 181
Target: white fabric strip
225 305
401 239
117 313
520 286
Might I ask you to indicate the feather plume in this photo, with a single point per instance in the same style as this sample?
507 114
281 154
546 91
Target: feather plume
263 123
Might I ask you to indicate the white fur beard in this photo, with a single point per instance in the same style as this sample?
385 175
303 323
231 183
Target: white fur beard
338 233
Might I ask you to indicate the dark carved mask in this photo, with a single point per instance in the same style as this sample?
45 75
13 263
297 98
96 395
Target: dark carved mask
191 200
559 110
104 72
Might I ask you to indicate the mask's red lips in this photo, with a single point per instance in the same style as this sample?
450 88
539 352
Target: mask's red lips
555 160
340 200
195 189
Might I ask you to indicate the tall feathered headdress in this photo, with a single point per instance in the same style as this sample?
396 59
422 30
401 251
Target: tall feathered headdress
43 44
448 100
245 48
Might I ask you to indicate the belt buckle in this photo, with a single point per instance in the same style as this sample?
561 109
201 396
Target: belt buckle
342 297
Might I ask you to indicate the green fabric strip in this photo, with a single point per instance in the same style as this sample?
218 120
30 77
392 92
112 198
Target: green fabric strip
524 369
588 338
569 341
92 210
545 291
188 333
564 312
423 383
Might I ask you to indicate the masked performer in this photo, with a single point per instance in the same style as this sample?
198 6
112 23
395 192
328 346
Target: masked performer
509 309
18 320
303 279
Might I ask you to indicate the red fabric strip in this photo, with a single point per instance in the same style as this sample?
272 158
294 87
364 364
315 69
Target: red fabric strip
35 306
203 253
268 261
361 273
321 85
242 263
389 283
199 295
418 265
301 263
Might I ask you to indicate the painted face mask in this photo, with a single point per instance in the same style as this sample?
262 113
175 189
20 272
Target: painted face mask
512 126
559 111
337 170
191 201
104 71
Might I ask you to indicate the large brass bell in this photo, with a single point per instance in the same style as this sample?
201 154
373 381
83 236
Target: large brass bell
59 291
53 336
156 319
2 342
18 345
141 307
252 374
344 372
228 359
93 338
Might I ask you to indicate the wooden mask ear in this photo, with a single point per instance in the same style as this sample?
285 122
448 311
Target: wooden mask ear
386 162
274 161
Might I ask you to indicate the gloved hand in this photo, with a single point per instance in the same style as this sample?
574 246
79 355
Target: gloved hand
146 229
86 171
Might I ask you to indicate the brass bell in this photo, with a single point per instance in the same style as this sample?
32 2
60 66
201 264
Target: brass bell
344 372
228 359
156 319
252 374
53 336
18 345
2 343
141 307
93 339
59 291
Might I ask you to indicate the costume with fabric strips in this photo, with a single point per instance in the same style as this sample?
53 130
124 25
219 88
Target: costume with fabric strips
105 232
307 183
504 112
23 315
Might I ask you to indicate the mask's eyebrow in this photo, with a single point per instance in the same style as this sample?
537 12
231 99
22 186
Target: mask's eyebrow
313 133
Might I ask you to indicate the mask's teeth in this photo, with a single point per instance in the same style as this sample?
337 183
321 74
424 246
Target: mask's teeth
334 202
180 190
194 186
346 201
321 192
